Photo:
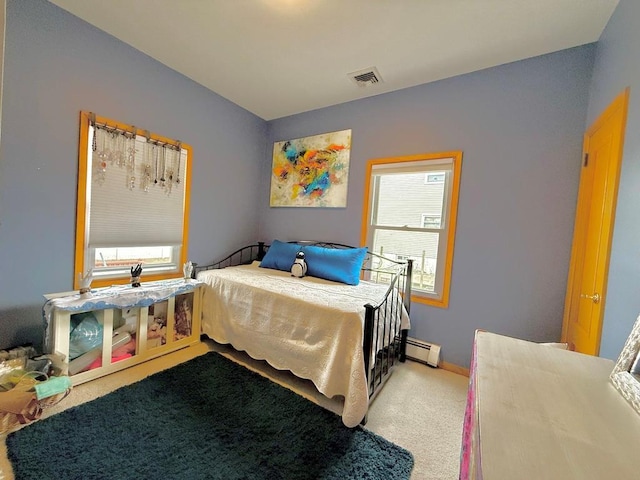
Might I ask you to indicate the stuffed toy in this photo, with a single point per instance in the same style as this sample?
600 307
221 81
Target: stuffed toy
299 267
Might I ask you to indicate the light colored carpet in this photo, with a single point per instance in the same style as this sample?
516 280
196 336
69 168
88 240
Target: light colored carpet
420 408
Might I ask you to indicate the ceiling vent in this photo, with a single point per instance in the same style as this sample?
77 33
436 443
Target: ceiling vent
366 77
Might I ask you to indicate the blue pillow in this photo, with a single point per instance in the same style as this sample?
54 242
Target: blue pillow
337 264
280 255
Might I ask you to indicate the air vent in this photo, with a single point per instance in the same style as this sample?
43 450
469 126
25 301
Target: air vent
366 77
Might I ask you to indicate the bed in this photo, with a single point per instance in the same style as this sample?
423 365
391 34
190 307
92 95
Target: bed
345 336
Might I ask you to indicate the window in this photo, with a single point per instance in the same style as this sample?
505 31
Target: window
431 221
434 177
412 204
133 197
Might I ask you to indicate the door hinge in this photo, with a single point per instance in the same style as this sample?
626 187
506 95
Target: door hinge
586 160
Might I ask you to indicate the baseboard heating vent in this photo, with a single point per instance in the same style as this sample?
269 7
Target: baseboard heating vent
423 352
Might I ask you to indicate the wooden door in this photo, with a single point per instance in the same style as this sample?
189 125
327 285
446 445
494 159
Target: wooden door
595 213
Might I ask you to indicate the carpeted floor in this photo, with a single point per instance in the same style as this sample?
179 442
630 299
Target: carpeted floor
420 409
208 418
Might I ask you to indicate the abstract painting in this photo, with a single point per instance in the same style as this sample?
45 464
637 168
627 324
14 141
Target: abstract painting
311 171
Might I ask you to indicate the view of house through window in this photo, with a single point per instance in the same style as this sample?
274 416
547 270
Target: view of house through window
412 205
115 257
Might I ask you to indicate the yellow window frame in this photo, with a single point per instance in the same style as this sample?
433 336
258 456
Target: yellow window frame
452 215
81 210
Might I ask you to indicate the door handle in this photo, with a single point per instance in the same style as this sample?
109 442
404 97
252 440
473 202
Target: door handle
595 297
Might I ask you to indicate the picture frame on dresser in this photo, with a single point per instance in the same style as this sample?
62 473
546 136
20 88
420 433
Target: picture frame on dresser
625 375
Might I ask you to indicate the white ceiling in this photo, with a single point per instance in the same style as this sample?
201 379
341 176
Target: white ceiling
280 57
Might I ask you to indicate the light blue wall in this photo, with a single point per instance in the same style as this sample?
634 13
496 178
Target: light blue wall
617 66
520 128
57 65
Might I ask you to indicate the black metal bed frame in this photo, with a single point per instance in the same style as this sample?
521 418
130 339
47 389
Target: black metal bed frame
382 321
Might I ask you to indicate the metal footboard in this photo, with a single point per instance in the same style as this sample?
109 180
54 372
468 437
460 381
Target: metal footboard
385 341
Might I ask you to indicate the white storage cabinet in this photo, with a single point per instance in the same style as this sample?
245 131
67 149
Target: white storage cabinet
132 325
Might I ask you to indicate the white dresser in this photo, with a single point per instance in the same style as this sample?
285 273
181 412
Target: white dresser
539 412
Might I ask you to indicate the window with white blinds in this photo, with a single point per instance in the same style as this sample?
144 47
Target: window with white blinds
411 213
132 202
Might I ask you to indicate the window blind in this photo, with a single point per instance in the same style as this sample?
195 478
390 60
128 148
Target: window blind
128 206
417 166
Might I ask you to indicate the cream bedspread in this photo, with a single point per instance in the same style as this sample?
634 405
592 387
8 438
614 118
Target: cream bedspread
310 326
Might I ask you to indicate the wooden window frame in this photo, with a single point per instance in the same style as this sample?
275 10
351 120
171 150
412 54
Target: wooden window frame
440 299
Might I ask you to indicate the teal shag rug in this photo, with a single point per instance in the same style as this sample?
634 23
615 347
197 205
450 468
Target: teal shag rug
208 418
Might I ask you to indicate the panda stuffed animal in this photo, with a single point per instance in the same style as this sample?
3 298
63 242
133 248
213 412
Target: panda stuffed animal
299 267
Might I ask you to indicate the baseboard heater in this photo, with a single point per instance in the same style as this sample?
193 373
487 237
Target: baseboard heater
423 352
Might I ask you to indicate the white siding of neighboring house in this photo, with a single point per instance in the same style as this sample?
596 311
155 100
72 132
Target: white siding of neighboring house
404 199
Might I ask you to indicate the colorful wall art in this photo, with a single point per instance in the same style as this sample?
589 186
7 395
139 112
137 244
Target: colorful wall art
311 171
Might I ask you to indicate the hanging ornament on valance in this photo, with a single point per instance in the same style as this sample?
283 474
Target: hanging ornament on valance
114 146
